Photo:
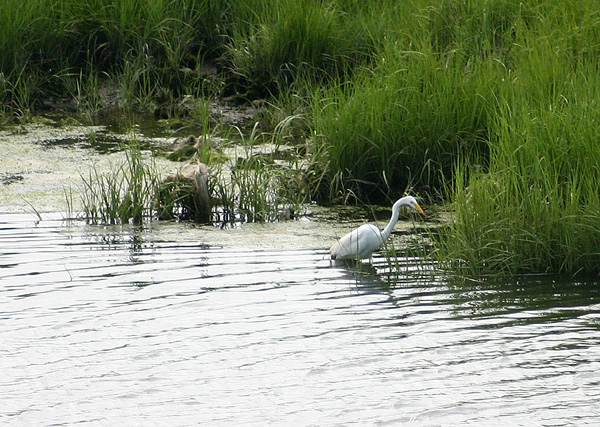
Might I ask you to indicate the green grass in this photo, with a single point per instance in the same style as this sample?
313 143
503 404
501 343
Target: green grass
156 48
537 208
295 37
145 45
255 188
406 124
123 195
492 105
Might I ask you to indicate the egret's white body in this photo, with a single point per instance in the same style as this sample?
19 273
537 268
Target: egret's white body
361 242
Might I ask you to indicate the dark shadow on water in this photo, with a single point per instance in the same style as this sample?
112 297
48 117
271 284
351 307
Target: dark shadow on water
521 300
380 278
127 236
544 298
361 272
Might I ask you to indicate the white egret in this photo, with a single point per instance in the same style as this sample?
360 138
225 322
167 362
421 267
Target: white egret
361 242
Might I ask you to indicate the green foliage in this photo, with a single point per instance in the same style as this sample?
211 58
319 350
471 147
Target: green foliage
123 195
254 188
158 47
381 96
147 44
537 208
407 123
299 37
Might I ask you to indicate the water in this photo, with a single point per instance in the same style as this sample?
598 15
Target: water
167 326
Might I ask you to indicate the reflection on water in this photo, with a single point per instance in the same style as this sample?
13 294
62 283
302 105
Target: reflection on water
544 298
155 326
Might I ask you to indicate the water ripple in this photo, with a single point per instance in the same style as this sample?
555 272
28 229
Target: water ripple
124 326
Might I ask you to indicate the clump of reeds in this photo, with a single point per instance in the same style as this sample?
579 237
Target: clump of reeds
407 124
537 208
394 94
148 47
156 49
424 104
256 188
292 38
125 194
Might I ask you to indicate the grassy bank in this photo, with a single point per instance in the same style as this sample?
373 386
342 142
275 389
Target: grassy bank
537 208
406 124
491 105
156 50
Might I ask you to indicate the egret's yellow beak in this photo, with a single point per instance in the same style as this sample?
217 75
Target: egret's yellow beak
419 209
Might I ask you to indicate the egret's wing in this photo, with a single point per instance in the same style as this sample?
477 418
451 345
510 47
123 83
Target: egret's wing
346 247
359 243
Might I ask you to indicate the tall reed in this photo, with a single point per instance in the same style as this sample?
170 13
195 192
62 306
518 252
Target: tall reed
407 123
497 99
122 195
255 188
298 37
537 209
156 39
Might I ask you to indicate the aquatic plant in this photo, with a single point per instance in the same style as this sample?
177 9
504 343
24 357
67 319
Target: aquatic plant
255 188
380 96
84 89
537 208
407 256
405 125
145 45
158 47
424 102
122 195
298 38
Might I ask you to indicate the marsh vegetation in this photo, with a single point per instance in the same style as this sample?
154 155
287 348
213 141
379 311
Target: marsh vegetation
490 107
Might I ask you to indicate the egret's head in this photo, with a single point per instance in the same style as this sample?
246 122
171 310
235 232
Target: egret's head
411 202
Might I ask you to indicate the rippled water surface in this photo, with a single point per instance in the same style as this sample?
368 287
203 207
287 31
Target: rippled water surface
118 326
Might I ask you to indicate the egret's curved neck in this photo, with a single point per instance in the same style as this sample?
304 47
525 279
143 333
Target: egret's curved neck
393 220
